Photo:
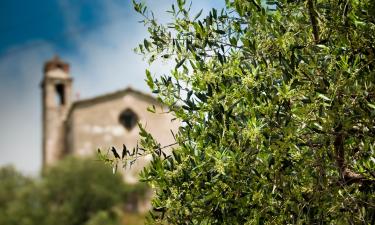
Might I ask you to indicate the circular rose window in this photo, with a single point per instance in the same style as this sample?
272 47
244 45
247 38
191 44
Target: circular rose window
128 118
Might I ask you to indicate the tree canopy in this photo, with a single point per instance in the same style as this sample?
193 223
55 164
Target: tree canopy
277 103
74 192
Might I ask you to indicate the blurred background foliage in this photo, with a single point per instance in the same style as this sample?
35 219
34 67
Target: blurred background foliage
74 192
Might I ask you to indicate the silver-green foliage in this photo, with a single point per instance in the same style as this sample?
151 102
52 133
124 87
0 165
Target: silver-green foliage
278 112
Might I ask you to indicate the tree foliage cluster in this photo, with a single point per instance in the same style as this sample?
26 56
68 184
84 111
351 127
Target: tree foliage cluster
75 192
278 113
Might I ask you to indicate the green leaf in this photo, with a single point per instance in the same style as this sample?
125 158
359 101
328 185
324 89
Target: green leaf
151 109
166 56
180 63
149 80
181 4
233 41
146 44
220 31
318 126
221 58
323 97
198 15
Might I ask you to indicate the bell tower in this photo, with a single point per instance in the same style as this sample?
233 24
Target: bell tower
56 102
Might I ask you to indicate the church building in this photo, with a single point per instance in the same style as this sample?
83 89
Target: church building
81 127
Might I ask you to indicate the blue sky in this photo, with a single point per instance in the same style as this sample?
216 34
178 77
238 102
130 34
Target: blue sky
96 37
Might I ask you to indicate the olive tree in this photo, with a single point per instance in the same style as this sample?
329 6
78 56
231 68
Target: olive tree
277 103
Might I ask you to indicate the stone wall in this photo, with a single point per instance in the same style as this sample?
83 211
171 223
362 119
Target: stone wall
94 125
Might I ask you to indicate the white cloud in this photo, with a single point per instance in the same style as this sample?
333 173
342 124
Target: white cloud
20 128
104 61
105 55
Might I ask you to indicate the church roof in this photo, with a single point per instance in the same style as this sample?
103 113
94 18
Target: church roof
112 95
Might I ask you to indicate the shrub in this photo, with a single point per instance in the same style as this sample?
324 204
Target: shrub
73 192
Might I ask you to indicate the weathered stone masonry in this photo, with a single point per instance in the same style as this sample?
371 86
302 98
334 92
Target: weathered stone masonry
81 127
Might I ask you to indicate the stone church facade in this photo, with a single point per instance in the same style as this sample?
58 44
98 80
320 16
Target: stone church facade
81 127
